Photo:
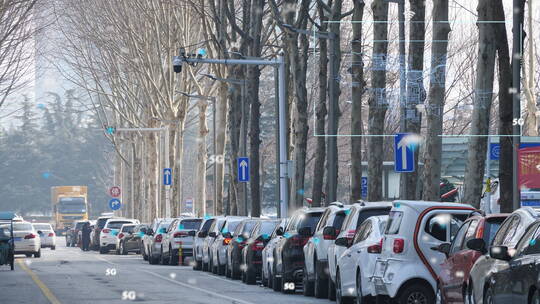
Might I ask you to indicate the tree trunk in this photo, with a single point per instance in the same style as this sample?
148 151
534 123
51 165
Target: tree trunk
358 85
377 100
221 125
436 100
200 198
152 165
505 112
415 90
320 112
474 171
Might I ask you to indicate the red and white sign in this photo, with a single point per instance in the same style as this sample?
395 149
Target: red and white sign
529 167
115 191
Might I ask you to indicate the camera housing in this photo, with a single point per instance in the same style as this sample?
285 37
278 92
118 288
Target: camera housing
177 64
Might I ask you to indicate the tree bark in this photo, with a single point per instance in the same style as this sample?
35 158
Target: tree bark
200 198
358 85
377 101
436 100
474 171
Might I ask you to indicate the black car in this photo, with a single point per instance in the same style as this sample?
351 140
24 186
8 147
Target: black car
100 223
72 234
132 241
517 280
252 252
289 254
237 243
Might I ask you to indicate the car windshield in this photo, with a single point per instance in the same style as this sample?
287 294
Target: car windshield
365 214
127 228
309 220
164 225
268 227
117 225
491 227
46 227
190 224
231 226
22 227
72 205
101 222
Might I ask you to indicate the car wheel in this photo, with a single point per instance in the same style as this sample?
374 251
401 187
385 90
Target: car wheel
340 299
173 258
270 280
416 293
276 282
197 265
264 279
103 250
220 269
227 271
468 297
488 296
331 290
308 286
37 254
250 276
162 259
321 285
535 298
359 294
235 275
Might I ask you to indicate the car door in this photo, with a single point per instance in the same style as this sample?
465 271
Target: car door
168 236
452 267
352 254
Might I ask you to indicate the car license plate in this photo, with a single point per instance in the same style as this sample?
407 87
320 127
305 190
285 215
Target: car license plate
18 239
379 286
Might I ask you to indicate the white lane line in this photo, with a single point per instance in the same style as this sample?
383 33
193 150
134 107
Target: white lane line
234 300
222 279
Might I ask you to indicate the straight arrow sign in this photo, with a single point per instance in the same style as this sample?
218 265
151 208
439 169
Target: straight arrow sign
403 153
243 169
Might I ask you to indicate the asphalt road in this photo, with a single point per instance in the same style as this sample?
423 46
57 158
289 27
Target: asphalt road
69 275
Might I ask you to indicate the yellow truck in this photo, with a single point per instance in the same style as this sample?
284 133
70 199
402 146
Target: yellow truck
69 203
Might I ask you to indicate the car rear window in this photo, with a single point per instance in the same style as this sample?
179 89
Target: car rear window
164 225
101 222
338 220
394 221
309 220
22 227
190 224
365 214
79 225
42 227
116 225
127 228
249 226
491 227
268 227
231 226
207 224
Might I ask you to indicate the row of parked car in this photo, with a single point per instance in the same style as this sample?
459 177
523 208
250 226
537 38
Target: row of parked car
29 237
403 251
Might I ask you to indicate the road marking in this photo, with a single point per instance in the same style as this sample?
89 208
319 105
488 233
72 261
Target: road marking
197 288
46 291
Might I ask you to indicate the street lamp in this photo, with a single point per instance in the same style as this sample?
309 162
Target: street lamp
213 100
243 123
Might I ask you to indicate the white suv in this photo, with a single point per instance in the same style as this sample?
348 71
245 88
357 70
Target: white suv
107 236
178 241
407 268
315 277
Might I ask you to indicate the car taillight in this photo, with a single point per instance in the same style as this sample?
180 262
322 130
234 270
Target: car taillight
180 234
350 234
376 248
298 241
226 241
121 235
399 245
257 245
158 238
106 230
480 232
51 233
30 236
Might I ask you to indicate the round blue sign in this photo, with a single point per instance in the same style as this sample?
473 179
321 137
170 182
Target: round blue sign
115 204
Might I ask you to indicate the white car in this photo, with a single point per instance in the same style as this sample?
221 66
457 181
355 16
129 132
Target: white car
219 247
213 232
357 214
27 240
178 241
152 240
268 253
47 235
107 236
124 230
199 242
407 268
315 274
357 262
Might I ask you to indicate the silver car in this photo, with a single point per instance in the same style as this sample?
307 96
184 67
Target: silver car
178 241
213 232
219 247
156 237
199 242
27 240
268 254
46 235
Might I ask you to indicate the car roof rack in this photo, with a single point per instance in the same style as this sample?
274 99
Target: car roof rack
336 203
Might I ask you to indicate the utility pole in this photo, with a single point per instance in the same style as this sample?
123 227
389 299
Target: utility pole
279 65
517 33
213 100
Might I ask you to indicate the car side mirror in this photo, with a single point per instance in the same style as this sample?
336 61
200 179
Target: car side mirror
212 234
279 231
202 234
342 241
477 245
40 232
499 253
150 232
192 233
442 248
305 231
329 233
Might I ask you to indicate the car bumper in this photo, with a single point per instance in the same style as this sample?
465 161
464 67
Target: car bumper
28 247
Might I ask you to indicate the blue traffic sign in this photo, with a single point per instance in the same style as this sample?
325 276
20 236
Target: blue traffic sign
167 176
403 153
115 204
494 151
243 169
364 186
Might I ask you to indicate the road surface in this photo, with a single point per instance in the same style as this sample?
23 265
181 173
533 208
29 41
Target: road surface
69 275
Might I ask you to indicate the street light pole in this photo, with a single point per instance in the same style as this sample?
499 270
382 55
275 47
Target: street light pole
278 64
517 33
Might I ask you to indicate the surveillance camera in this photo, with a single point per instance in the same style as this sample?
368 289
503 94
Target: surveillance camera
182 52
177 64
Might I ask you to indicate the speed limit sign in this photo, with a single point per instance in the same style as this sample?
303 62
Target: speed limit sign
115 191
